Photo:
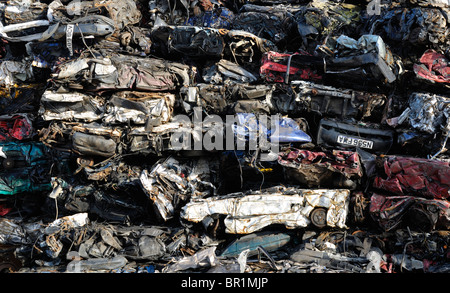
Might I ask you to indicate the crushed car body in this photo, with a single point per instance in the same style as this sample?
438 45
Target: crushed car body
252 211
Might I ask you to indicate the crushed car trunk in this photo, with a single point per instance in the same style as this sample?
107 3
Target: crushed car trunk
350 135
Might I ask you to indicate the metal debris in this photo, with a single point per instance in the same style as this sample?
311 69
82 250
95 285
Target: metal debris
174 136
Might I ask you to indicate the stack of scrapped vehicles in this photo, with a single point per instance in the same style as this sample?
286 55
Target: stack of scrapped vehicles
225 136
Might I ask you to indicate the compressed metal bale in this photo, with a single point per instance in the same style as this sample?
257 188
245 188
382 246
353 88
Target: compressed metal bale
89 144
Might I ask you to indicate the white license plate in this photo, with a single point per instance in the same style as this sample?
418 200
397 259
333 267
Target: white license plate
362 143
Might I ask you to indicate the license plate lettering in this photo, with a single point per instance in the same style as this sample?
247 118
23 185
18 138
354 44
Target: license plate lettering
362 143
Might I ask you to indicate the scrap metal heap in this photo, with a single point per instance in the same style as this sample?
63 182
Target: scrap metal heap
117 154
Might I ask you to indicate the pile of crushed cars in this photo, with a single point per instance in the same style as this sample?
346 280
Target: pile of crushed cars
112 157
